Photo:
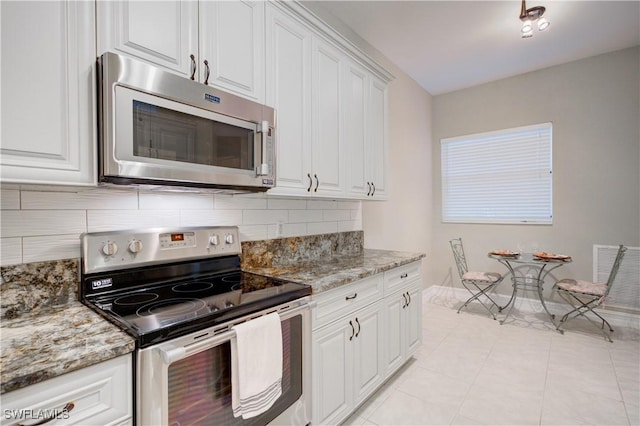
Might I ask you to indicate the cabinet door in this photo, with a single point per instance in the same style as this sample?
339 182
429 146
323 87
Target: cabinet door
413 319
355 111
326 154
48 92
332 374
232 43
288 57
163 33
377 137
368 364
394 307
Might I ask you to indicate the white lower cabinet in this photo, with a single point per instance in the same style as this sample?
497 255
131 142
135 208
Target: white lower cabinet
101 394
403 326
347 363
362 333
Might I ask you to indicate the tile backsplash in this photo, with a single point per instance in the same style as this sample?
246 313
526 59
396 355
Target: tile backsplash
45 223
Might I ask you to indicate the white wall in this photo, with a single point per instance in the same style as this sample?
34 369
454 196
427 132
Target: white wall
45 223
595 110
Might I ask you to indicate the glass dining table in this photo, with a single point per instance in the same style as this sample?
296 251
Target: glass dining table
536 268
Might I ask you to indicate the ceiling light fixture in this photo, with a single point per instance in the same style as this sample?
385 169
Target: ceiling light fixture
531 15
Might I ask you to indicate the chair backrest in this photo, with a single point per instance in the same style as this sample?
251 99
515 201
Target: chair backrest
458 255
615 267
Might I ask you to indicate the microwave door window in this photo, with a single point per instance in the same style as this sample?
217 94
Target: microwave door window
163 133
232 147
171 135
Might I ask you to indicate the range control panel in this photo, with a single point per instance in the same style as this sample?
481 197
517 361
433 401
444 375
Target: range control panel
108 251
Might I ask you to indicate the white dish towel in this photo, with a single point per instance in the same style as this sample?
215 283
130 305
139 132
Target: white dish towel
256 365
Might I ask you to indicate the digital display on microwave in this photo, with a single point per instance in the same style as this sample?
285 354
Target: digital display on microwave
177 237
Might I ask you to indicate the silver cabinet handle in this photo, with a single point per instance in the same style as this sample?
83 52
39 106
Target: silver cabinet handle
409 296
404 295
310 182
317 183
369 191
207 72
193 67
403 276
353 330
374 188
351 297
358 322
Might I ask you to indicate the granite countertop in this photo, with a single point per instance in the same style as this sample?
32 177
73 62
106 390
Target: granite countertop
324 274
57 340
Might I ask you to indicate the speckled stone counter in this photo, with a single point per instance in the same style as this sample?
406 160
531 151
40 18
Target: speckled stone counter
322 261
40 346
45 331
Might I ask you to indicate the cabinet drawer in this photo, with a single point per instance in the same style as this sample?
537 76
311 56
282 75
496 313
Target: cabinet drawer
395 278
333 304
97 395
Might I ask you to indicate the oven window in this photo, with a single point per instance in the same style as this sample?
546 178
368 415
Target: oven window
199 386
172 135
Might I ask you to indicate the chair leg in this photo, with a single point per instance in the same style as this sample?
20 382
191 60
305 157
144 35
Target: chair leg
581 309
476 296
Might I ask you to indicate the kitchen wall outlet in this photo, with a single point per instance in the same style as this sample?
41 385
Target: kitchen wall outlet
279 229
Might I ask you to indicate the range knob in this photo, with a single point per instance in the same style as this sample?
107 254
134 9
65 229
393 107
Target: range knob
109 248
135 246
213 240
228 239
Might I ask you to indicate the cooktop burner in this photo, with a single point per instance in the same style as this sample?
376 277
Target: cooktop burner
148 311
157 300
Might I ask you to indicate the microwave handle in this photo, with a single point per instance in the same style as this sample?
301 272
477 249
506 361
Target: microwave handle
263 167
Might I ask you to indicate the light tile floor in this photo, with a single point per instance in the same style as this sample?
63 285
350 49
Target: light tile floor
471 370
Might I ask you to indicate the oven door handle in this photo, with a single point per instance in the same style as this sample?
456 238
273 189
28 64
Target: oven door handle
171 353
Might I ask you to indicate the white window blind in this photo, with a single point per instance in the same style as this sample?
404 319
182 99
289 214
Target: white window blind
498 177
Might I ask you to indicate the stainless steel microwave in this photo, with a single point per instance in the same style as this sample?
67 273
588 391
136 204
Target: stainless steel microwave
159 128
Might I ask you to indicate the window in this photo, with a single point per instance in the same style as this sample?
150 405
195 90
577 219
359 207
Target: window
498 177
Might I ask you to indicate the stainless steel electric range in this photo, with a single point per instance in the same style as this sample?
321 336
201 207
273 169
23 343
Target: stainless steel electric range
179 292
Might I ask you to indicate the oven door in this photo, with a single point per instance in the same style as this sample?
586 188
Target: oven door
187 381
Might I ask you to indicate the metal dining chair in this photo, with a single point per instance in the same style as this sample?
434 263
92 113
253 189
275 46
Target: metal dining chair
477 283
585 296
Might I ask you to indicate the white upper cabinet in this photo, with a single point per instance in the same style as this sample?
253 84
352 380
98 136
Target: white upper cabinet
304 83
164 33
232 43
377 135
217 43
288 59
327 163
356 142
331 109
47 117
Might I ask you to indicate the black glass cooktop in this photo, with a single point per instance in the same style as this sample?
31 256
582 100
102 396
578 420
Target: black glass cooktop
156 312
